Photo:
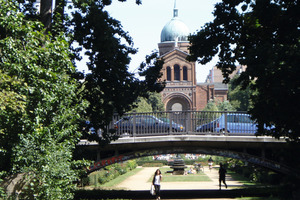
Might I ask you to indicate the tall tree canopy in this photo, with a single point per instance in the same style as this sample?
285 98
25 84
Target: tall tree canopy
40 108
238 97
110 87
264 35
46 99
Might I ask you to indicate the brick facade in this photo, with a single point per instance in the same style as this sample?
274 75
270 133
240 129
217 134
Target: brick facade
181 85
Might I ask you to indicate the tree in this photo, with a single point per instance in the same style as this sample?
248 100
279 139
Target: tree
264 36
142 106
54 100
152 104
215 105
211 106
108 48
40 108
238 97
225 106
156 102
110 88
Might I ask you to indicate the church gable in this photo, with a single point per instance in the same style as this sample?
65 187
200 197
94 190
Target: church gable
175 54
177 59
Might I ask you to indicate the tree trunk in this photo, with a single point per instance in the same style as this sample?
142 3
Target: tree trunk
46 13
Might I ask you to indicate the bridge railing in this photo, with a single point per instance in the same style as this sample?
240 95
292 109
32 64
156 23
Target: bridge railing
183 122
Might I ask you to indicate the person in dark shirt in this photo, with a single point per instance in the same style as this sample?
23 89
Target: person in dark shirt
210 163
222 175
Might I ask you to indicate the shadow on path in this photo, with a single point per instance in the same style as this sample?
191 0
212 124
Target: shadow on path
173 194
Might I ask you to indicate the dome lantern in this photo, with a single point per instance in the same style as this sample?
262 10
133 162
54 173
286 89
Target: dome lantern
175 10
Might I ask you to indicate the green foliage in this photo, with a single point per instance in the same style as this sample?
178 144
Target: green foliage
151 104
149 162
264 36
142 106
131 164
146 158
38 130
240 98
10 100
211 106
109 87
207 116
225 106
43 97
155 101
110 172
152 164
187 178
254 173
214 105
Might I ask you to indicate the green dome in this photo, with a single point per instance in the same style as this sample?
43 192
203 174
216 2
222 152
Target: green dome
175 28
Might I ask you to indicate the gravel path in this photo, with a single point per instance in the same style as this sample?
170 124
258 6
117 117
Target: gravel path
140 180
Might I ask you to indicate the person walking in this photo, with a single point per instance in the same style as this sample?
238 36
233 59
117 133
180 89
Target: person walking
156 182
222 175
210 163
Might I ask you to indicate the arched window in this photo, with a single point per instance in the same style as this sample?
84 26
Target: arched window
185 77
168 73
176 73
177 107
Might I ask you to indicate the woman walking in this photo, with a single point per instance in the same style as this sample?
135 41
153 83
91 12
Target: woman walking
156 182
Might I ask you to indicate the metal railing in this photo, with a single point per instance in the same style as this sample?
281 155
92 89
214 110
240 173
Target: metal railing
184 122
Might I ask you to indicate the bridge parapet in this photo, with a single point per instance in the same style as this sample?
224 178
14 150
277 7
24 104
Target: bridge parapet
183 122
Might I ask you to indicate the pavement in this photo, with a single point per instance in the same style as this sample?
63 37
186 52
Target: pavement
137 187
140 181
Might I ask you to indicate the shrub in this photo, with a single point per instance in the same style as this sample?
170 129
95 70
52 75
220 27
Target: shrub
153 164
109 173
131 164
142 162
85 181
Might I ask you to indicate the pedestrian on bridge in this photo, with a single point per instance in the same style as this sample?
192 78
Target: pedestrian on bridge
156 182
222 175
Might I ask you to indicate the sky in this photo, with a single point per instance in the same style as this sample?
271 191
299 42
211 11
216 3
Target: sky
145 23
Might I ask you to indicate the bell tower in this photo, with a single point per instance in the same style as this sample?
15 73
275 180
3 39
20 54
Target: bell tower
179 74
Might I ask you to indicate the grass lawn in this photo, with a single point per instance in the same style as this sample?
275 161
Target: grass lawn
119 179
168 177
257 198
246 182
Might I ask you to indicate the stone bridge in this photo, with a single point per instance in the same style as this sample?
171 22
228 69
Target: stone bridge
257 150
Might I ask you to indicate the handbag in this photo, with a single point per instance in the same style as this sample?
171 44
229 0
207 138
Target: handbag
152 190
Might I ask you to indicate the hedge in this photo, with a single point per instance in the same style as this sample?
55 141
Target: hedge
109 173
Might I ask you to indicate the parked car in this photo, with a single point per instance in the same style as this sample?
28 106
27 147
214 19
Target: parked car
167 120
145 124
236 123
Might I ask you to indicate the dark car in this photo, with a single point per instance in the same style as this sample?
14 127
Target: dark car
145 124
236 123
167 120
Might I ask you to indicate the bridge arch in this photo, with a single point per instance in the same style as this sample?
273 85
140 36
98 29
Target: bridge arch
135 148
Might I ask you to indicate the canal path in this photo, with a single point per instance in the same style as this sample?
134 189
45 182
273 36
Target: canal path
140 181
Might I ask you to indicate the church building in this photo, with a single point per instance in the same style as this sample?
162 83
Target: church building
182 92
